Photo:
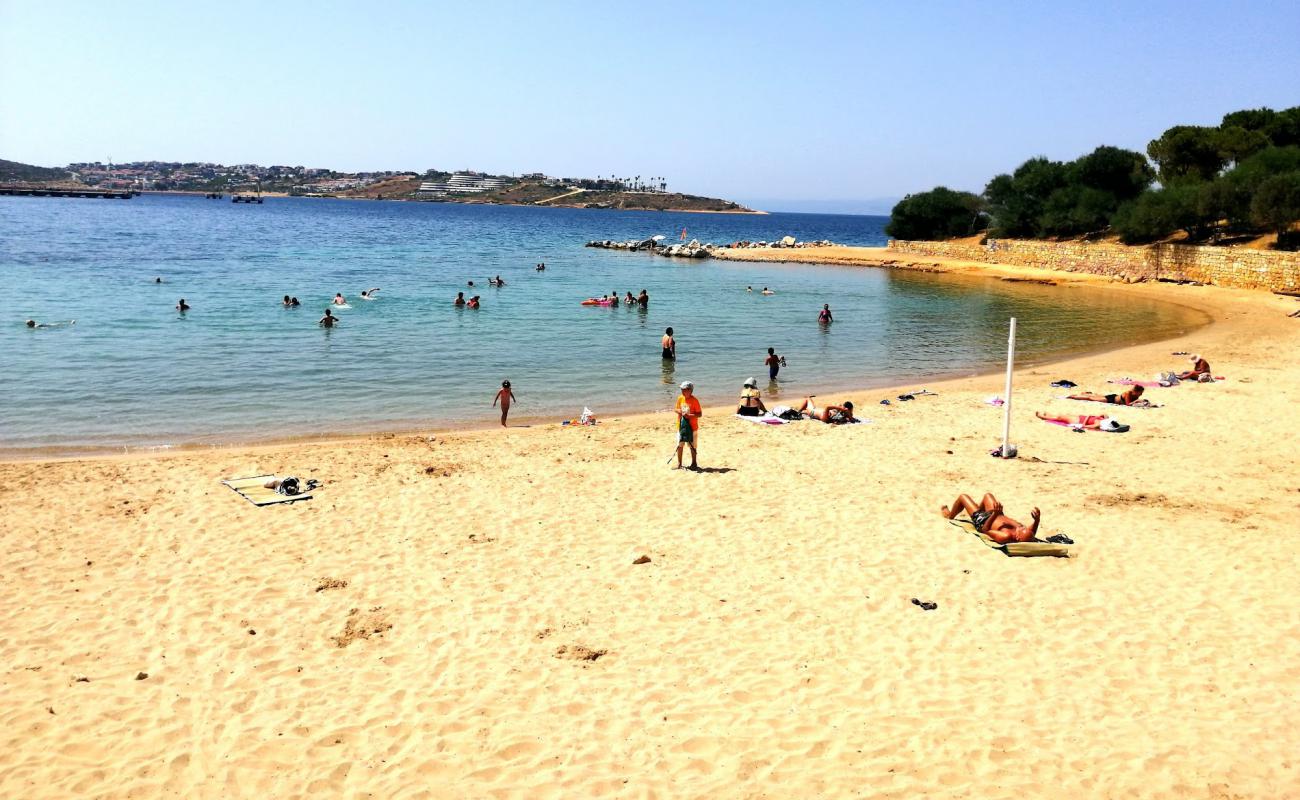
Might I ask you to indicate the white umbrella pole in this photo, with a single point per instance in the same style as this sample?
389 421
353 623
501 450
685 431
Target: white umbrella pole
1006 407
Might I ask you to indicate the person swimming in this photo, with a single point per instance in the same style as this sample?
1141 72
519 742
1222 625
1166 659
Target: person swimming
473 302
541 267
496 281
767 291
749 289
369 294
286 302
31 323
460 299
629 300
182 306
339 299
158 279
470 283
293 301
328 320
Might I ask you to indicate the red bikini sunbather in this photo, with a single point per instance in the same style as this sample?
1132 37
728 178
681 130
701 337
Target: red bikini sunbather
990 520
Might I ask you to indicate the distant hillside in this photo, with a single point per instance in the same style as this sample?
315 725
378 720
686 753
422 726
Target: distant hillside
401 187
15 171
538 193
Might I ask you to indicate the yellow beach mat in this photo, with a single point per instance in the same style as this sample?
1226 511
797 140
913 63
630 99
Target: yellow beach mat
1023 549
254 491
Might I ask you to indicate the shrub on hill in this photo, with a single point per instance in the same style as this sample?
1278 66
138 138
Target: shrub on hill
1276 204
16 171
940 213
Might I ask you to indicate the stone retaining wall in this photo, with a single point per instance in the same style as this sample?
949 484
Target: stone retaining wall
1223 266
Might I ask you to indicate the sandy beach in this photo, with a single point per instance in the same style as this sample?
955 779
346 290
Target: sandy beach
458 614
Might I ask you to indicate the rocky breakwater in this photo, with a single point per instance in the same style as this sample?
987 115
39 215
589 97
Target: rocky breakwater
695 249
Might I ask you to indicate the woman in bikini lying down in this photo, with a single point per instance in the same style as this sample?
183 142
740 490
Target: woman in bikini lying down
1129 398
1089 422
989 519
831 414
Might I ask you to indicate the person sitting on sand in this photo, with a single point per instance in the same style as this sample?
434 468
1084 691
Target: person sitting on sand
1085 422
835 415
1129 398
460 299
182 306
751 404
824 317
339 299
990 520
328 320
1199 367
473 302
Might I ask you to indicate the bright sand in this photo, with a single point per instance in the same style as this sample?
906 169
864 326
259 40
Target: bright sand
412 630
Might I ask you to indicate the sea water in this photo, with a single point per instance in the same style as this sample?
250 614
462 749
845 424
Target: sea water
133 372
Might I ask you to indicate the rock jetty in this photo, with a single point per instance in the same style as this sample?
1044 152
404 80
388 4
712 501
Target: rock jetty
695 249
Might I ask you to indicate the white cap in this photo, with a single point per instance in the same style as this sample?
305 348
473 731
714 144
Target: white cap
687 385
751 382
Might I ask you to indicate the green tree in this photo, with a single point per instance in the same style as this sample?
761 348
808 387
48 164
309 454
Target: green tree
940 213
1159 213
1187 151
1016 201
1276 204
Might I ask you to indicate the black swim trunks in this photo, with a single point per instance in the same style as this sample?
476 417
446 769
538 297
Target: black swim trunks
980 517
668 353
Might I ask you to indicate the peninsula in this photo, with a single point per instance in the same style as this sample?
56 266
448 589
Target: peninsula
607 192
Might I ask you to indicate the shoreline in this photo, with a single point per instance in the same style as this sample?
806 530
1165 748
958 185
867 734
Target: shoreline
636 412
463 612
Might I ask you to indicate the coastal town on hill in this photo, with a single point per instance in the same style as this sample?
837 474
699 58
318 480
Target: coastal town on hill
535 188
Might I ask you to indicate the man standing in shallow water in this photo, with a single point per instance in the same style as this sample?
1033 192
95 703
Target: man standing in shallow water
688 423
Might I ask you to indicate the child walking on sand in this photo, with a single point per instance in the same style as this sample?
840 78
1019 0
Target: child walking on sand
506 397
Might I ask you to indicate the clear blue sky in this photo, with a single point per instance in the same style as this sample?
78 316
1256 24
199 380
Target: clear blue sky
782 105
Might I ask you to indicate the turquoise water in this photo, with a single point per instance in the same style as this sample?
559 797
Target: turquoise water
133 372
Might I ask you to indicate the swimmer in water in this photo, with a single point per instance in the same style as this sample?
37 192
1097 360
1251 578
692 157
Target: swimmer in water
286 302
340 300
471 283
182 306
629 300
749 288
157 280
824 316
541 267
496 281
460 299
294 302
328 320
473 302
767 291
31 323
369 294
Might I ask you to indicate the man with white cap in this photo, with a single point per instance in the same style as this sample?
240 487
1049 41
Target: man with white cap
1199 367
751 404
688 422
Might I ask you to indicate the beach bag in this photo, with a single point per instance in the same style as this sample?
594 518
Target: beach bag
1205 378
289 487
789 414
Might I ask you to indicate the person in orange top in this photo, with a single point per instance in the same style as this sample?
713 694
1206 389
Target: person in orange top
688 422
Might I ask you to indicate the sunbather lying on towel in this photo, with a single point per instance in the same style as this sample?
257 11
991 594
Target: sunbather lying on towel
1089 422
831 414
1129 398
990 520
1199 367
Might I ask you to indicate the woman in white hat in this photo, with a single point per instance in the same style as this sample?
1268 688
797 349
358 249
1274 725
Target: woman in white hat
751 404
